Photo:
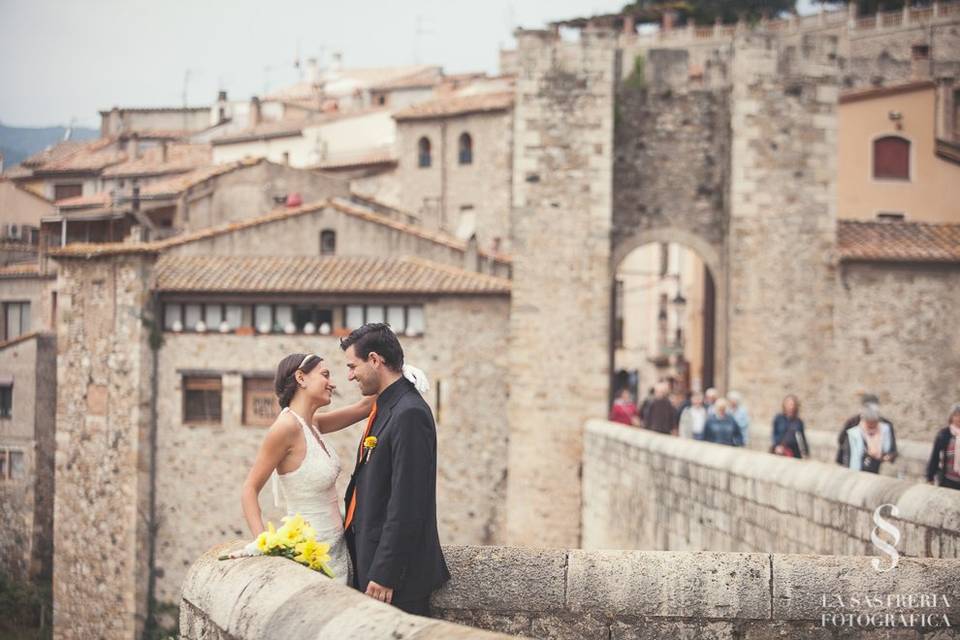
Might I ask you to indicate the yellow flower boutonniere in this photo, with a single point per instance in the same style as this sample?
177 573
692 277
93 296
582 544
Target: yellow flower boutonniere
369 444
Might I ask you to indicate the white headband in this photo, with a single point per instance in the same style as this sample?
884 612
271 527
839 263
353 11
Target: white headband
306 359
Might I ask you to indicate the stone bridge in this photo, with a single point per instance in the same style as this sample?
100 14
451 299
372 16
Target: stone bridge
681 539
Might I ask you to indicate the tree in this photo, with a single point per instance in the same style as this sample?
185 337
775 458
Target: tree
709 11
870 7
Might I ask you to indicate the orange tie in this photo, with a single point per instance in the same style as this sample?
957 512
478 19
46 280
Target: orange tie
353 496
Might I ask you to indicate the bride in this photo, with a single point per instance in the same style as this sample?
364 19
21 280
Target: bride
294 448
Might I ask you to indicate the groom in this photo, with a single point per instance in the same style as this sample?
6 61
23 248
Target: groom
391 521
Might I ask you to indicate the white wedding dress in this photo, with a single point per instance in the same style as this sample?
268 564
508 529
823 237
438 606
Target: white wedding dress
311 491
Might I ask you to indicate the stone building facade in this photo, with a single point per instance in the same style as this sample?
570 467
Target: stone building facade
28 391
454 165
171 480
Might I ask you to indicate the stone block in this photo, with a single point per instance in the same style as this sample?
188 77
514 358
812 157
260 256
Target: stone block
668 584
503 579
803 584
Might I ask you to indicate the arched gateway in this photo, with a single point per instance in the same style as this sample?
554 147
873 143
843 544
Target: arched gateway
739 168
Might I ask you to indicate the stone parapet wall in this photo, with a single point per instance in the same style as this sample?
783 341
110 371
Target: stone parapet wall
560 593
911 462
644 490
276 598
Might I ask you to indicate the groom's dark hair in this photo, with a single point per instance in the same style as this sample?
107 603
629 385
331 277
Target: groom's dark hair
375 337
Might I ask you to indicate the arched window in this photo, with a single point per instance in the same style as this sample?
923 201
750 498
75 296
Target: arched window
423 152
328 242
466 149
891 158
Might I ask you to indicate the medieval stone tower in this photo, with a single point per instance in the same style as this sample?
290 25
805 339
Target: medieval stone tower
739 167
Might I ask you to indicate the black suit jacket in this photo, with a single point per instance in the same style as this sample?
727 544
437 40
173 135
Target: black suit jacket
393 537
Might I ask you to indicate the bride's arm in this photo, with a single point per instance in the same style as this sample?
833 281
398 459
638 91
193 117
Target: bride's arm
275 446
338 419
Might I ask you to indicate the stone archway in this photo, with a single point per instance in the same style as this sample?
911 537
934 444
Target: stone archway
712 257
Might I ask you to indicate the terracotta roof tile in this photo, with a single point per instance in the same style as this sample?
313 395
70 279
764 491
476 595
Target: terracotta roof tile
180 183
54 152
87 250
89 200
383 155
457 105
180 158
29 269
898 241
331 275
89 157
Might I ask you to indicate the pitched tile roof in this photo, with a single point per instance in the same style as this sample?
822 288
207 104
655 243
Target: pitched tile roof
53 153
898 241
457 105
179 184
87 250
331 275
91 156
264 131
880 92
180 158
30 269
383 155
81 202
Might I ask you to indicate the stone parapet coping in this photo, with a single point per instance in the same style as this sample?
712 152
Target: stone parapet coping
276 598
920 504
567 593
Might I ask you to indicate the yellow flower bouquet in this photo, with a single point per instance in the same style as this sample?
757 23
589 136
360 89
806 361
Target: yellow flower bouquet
295 540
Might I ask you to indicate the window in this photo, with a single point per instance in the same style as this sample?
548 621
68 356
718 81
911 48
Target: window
891 158
375 313
192 314
6 400
16 319
414 321
328 242
423 153
11 464
313 315
465 148
171 315
260 406
213 316
263 318
201 399
920 52
353 318
63 191
284 317
396 318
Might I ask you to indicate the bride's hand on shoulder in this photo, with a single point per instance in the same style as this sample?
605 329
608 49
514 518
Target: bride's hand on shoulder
338 419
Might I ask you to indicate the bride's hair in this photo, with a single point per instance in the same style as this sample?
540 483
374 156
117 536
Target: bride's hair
285 384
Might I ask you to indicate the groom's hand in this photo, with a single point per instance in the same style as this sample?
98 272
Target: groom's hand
383 594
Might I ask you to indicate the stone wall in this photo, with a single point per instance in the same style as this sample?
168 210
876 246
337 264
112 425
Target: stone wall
571 594
200 469
448 194
782 232
103 462
249 192
911 462
26 532
892 340
299 235
643 490
561 290
254 598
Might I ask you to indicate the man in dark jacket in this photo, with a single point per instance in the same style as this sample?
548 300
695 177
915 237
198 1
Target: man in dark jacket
661 415
391 521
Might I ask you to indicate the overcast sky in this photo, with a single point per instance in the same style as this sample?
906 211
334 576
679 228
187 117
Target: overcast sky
63 60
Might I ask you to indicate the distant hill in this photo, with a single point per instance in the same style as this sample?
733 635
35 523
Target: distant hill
17 143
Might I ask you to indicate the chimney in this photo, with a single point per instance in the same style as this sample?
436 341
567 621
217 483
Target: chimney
221 107
254 117
313 71
337 65
668 20
133 146
135 199
164 150
920 62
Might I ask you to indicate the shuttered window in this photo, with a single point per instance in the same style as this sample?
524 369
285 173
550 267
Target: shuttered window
891 158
